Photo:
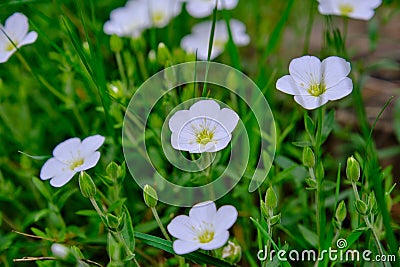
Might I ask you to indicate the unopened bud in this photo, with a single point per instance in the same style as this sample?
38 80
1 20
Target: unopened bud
163 54
353 169
341 212
308 157
271 200
361 207
150 196
86 184
232 252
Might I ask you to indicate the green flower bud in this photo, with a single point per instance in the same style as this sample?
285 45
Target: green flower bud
361 207
308 157
372 205
264 210
87 186
150 196
232 252
353 169
163 54
341 212
271 201
116 173
116 43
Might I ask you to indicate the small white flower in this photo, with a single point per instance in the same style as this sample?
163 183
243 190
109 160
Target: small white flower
16 28
70 157
204 8
60 251
161 12
199 38
128 21
313 83
203 128
356 9
204 228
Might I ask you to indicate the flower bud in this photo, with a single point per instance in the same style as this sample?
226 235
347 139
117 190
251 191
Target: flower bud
150 196
114 223
372 205
163 54
312 184
232 252
353 169
271 200
275 219
116 43
361 207
86 184
308 157
264 210
341 212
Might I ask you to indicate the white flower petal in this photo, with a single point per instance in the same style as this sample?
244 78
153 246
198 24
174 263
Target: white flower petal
218 241
305 70
340 90
89 162
178 120
310 102
4 56
52 167
224 219
67 150
228 118
287 85
204 211
29 38
17 26
362 14
200 9
183 247
194 43
334 70
62 178
205 108
92 143
180 227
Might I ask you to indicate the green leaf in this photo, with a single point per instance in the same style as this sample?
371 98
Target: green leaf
329 121
302 143
309 125
197 257
309 235
42 188
89 213
127 231
38 232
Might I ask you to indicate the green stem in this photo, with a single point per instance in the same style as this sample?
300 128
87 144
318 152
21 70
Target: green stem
369 224
121 70
128 251
309 28
162 228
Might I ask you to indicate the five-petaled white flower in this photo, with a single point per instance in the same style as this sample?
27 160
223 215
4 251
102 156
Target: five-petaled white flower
203 128
14 34
139 15
198 40
204 228
313 83
204 8
356 9
70 157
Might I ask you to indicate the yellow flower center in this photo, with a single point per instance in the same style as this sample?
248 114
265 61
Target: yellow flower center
76 163
346 9
11 46
220 44
206 236
317 89
204 136
158 17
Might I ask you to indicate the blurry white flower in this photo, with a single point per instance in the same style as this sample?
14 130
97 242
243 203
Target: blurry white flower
161 12
15 29
313 83
60 251
203 128
204 228
199 38
204 8
356 9
70 157
128 21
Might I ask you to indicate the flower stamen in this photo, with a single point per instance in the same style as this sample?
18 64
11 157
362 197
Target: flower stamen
346 9
316 89
76 163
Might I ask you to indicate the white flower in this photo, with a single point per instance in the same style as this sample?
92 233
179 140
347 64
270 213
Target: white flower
161 12
356 9
203 128
128 21
204 228
15 29
139 15
59 251
70 157
199 39
204 8
313 83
